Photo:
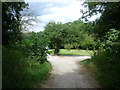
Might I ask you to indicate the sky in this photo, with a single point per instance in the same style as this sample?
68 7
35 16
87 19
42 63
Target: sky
54 10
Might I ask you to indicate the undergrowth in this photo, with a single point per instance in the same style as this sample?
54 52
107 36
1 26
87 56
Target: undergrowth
21 72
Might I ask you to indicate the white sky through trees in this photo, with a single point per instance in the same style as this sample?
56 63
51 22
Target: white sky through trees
54 10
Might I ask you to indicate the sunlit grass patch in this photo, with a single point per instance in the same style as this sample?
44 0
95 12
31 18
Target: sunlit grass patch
73 52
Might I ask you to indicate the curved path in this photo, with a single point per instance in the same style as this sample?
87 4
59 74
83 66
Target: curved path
68 73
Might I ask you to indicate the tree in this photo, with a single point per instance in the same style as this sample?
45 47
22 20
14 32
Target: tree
106 28
110 15
53 32
79 35
34 45
11 17
69 35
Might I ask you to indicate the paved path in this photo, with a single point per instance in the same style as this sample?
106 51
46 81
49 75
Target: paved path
68 73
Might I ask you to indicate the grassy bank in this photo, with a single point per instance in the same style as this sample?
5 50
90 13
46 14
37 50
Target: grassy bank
105 66
21 72
73 52
89 65
39 73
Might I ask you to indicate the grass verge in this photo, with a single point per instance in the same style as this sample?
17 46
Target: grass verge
105 66
39 73
73 52
21 72
89 65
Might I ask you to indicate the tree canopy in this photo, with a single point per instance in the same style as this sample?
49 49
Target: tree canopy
69 35
109 18
11 17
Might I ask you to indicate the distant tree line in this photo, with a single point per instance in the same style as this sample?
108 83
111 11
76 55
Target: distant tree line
72 35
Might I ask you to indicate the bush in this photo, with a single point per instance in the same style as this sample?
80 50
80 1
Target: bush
21 72
108 66
14 66
35 46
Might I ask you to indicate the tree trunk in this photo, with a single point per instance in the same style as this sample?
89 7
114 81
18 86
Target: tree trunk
56 51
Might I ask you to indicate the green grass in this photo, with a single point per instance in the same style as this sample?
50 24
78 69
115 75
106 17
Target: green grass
73 52
89 65
108 67
39 73
105 66
21 72
86 62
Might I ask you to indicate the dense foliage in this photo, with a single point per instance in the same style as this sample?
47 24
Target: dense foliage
21 72
53 32
24 56
107 32
108 68
34 45
109 18
11 21
69 35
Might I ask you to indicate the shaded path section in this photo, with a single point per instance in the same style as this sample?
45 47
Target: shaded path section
68 73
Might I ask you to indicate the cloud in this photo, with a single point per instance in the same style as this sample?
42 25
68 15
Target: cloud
94 17
65 1
54 10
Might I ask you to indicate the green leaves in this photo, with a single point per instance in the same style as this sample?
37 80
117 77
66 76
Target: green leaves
112 35
69 35
54 32
35 46
11 25
111 39
109 16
